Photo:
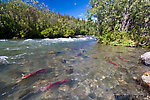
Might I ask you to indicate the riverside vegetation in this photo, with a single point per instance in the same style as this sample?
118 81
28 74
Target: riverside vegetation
30 19
121 22
118 22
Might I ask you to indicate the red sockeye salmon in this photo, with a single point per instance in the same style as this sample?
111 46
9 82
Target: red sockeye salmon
113 63
59 82
39 71
122 58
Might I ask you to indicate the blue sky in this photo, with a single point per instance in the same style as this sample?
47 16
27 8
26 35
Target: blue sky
76 8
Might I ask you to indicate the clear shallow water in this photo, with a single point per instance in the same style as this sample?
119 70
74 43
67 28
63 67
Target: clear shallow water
80 60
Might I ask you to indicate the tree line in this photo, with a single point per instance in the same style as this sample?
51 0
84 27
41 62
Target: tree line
31 19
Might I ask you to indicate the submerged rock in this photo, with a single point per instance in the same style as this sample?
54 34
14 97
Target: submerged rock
69 71
1 63
55 53
146 58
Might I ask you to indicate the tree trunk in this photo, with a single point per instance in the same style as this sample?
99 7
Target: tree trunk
127 26
124 23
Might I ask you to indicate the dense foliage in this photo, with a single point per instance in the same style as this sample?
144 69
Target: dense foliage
121 22
117 22
30 19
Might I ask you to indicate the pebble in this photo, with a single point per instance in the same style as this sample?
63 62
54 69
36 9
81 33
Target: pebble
64 88
103 77
122 82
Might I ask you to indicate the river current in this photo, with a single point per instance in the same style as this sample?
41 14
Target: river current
76 69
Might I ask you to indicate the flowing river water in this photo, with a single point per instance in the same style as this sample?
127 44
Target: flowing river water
81 61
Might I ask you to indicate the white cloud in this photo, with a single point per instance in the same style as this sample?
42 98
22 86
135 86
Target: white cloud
95 19
80 19
75 4
81 15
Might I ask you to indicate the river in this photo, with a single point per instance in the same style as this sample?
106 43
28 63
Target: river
76 68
